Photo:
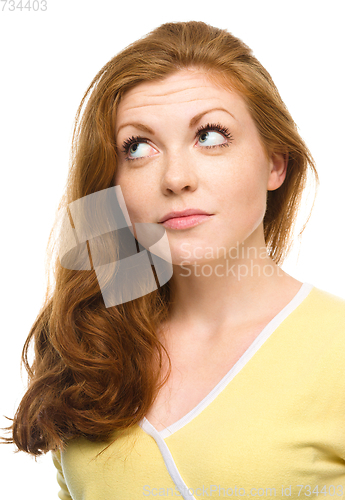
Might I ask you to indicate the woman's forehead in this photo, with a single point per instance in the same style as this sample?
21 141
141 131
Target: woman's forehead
186 79
186 91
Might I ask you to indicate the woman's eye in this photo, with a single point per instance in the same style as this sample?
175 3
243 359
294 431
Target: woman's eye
211 138
140 149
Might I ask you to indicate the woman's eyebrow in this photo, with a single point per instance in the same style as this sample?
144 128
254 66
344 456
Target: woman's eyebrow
192 122
140 126
198 117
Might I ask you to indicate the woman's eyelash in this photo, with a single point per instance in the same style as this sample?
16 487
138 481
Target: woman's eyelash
204 128
214 126
132 140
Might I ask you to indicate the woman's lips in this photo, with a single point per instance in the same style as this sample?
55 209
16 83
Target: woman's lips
185 222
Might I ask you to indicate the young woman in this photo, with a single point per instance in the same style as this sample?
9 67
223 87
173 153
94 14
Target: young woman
228 377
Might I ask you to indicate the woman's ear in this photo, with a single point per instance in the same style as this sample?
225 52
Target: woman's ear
277 173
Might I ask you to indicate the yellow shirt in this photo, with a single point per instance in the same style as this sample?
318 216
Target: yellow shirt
274 426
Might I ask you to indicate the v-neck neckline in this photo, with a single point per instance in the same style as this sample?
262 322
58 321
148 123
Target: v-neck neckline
235 369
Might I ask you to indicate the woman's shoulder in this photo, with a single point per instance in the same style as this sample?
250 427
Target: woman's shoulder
311 340
326 303
321 318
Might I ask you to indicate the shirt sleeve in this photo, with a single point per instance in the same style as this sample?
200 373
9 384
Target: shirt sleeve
63 494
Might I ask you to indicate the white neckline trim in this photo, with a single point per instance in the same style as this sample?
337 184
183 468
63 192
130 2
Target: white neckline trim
168 460
248 354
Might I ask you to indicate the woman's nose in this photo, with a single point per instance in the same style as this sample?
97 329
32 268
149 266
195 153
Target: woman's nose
179 173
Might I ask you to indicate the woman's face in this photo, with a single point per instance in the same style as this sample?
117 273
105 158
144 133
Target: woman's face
198 148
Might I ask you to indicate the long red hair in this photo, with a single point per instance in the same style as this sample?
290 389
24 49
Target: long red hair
97 369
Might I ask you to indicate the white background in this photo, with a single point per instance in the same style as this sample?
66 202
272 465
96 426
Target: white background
48 60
